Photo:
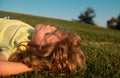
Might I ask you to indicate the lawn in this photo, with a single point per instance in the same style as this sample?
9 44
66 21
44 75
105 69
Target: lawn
100 45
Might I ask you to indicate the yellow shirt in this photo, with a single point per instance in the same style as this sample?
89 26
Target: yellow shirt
12 32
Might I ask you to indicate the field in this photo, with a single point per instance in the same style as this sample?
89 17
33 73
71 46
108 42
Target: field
100 45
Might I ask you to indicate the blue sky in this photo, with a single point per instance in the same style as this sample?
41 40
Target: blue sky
64 9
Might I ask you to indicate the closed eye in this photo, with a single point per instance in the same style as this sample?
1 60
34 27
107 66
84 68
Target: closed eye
50 33
47 34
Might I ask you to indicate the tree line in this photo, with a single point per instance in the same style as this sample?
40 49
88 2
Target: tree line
88 16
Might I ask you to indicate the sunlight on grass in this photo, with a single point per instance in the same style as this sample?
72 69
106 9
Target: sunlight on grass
101 47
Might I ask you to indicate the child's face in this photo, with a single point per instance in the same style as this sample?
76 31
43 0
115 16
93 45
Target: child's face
44 35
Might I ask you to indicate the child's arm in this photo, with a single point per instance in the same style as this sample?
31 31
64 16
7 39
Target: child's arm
12 68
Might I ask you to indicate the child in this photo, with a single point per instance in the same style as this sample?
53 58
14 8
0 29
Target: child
43 48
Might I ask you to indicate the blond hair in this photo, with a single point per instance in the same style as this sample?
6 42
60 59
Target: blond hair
63 57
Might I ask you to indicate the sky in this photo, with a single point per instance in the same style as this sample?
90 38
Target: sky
64 9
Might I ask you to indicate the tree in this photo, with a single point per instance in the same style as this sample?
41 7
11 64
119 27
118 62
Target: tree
118 23
114 23
87 16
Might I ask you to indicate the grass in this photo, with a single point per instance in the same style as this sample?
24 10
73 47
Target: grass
100 45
